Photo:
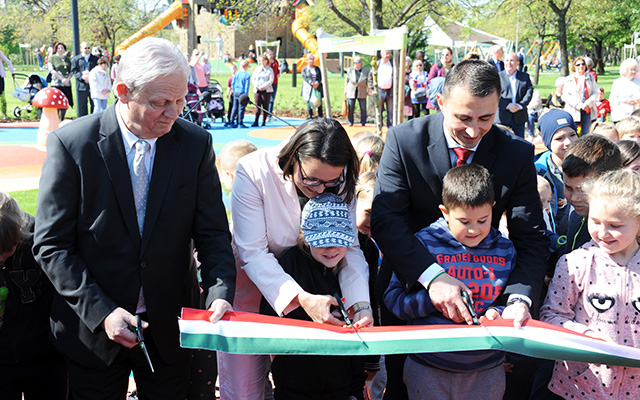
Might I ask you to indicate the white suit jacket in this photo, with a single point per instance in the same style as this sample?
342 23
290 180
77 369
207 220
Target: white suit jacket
266 222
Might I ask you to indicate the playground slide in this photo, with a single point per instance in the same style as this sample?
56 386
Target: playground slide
173 12
301 33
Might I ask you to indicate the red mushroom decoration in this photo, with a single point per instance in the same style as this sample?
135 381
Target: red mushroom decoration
50 100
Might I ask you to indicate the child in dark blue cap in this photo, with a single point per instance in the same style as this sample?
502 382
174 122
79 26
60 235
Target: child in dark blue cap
558 133
327 229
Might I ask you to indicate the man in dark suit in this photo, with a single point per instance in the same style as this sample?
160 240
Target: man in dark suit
496 57
516 94
81 65
417 155
125 195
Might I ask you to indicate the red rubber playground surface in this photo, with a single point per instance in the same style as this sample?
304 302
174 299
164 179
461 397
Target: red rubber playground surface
21 159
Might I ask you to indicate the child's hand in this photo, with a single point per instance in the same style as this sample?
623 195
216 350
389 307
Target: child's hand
363 318
491 315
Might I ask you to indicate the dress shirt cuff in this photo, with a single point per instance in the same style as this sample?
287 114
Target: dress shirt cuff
522 297
430 274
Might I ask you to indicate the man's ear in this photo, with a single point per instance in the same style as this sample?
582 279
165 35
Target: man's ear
123 93
444 212
440 100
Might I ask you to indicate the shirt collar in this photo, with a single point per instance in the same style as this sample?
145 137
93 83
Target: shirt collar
128 138
452 144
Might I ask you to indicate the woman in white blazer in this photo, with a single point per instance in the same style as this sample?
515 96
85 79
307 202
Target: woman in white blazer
580 94
269 190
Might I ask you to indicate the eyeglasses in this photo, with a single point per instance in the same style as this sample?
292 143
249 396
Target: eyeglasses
88 48
357 62
317 182
418 65
580 65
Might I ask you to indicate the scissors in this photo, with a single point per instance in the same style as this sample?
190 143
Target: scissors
474 316
346 317
140 338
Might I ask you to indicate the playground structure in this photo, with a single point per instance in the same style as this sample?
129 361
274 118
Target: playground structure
631 50
300 32
179 10
550 52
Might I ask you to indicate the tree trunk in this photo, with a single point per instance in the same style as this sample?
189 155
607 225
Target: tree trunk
599 61
562 38
538 67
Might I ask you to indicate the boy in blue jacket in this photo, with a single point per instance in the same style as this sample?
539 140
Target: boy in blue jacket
239 86
472 251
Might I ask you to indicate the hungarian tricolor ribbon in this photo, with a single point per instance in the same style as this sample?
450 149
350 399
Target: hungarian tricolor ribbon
248 333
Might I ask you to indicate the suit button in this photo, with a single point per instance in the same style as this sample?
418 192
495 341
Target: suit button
143 265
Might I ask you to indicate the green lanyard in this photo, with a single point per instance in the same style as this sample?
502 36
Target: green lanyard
575 237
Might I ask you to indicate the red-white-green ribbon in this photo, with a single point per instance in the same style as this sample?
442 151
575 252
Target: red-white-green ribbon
247 333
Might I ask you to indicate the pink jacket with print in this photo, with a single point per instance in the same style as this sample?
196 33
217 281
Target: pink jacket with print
591 292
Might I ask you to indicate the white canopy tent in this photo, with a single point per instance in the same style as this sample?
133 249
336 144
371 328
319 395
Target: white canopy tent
447 33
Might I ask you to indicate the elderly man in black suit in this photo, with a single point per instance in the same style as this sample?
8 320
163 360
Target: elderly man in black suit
516 94
125 195
408 190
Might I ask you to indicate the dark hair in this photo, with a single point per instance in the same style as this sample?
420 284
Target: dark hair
468 185
325 140
448 48
479 77
629 150
591 154
11 223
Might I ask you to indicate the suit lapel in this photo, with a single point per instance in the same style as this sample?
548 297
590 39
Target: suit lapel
167 149
484 153
111 148
437 153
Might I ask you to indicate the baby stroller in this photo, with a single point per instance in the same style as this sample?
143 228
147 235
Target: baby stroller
32 85
216 104
194 107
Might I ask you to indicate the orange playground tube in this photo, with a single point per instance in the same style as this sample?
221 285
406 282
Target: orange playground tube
300 32
173 12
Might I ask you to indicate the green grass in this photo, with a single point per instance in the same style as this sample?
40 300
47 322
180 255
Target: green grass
27 200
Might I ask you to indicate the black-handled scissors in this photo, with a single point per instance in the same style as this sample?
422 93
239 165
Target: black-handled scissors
140 338
346 317
467 302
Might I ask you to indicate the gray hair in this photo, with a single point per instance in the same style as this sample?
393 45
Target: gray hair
149 59
588 62
629 62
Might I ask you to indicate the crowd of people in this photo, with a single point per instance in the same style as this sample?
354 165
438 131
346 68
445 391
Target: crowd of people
132 226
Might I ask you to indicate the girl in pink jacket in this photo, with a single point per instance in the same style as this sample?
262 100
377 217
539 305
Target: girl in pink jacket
596 290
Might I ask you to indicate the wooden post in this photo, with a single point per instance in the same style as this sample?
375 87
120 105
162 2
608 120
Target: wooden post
325 86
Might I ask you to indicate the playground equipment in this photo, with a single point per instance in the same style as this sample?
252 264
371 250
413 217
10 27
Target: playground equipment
549 50
179 11
631 50
300 32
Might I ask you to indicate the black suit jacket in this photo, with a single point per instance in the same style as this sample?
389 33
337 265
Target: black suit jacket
88 243
524 92
408 191
77 66
495 64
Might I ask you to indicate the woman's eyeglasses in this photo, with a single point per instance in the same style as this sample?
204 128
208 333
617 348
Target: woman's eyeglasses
580 65
317 182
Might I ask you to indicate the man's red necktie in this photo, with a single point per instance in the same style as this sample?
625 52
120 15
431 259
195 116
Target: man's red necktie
462 154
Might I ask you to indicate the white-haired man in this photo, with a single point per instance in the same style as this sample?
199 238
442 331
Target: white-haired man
124 196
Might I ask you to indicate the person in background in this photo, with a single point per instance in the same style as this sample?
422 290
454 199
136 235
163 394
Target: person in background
385 86
419 92
312 79
555 99
629 129
521 60
233 68
355 88
630 151
517 91
604 108
114 67
440 69
625 91
100 85
534 109
407 108
201 80
369 150
590 70
275 67
262 79
580 94
3 74
60 68
239 86
30 366
605 129
81 66
497 52
207 68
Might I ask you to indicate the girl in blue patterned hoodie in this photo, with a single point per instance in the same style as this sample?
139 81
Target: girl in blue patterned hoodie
472 251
